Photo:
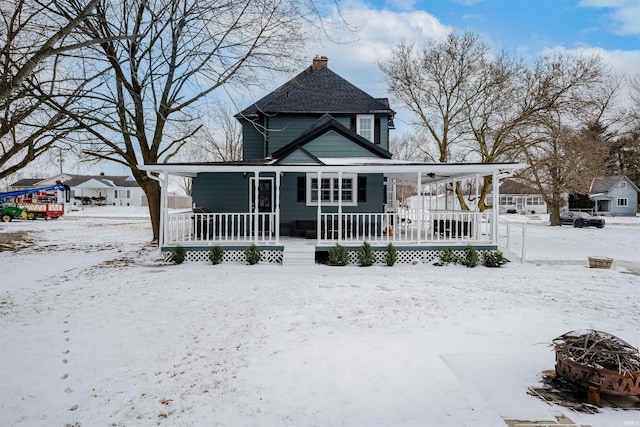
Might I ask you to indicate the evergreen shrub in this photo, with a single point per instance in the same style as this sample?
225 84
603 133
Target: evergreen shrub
339 255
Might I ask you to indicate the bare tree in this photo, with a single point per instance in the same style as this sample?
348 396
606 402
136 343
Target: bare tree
35 36
409 147
434 83
219 140
475 106
33 32
147 108
567 143
624 148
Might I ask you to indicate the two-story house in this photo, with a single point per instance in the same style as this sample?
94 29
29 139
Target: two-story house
316 165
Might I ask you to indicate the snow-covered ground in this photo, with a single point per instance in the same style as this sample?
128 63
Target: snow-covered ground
96 330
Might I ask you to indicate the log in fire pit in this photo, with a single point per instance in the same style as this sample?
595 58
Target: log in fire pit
599 362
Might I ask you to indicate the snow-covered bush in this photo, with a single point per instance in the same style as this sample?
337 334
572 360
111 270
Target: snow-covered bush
215 255
494 258
252 254
391 255
178 255
447 256
470 258
339 255
366 258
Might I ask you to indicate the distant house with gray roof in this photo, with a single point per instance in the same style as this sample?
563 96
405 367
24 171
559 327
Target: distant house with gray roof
114 190
521 198
614 195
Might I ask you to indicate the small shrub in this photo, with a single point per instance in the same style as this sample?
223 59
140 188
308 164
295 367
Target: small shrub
339 255
366 258
494 258
391 256
447 256
178 255
470 258
252 254
215 255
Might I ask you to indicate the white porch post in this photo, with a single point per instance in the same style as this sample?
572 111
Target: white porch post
162 229
277 207
340 206
256 186
495 208
319 217
476 220
420 207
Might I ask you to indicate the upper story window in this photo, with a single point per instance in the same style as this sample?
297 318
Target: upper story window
364 126
623 184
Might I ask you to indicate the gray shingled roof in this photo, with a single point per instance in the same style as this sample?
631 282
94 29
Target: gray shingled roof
510 186
107 180
321 91
605 183
26 182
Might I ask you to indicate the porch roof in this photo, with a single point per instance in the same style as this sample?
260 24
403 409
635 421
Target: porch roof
398 169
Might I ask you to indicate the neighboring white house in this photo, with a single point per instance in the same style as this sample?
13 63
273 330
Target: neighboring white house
104 189
520 198
614 195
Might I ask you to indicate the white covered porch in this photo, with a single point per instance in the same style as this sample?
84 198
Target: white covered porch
435 220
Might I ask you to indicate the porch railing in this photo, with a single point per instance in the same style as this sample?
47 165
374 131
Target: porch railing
406 226
227 228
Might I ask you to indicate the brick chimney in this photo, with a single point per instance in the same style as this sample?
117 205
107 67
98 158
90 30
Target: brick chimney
319 62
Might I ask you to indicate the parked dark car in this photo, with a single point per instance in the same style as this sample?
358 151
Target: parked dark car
581 219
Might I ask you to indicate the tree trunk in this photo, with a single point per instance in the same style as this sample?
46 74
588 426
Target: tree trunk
151 189
460 196
555 214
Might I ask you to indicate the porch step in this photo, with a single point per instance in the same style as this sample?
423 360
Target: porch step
299 255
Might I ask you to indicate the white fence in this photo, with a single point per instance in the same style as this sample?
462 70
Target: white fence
513 237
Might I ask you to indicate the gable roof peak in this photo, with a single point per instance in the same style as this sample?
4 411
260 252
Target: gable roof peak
316 90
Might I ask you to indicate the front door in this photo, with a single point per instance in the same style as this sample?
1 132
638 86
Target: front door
265 195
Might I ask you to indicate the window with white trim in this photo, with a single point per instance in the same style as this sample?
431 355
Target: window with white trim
623 202
506 200
623 184
364 126
535 201
123 194
329 189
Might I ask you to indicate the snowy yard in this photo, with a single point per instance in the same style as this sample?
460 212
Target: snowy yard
95 330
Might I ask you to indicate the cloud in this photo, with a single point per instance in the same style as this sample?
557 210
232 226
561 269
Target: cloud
626 62
624 12
355 54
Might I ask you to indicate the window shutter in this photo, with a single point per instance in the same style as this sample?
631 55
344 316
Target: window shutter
352 123
362 189
376 131
302 189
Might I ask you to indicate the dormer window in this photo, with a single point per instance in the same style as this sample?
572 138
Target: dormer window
364 126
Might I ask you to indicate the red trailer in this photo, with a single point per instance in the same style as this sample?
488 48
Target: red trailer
44 210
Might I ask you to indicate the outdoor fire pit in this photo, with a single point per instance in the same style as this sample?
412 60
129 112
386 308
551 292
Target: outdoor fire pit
599 362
